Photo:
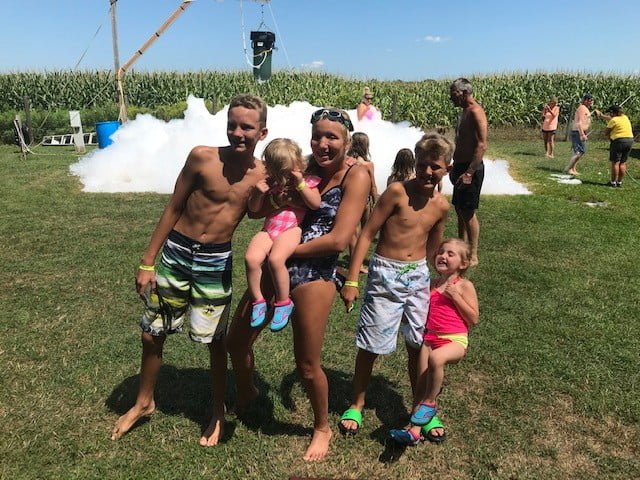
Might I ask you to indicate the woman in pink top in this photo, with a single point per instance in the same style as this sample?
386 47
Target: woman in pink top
452 311
365 110
550 114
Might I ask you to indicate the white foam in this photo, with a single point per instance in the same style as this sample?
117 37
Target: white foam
147 154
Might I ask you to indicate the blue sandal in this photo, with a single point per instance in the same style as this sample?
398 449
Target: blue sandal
405 437
258 313
423 414
281 314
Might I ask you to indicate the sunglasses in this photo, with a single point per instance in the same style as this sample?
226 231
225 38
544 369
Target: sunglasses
333 115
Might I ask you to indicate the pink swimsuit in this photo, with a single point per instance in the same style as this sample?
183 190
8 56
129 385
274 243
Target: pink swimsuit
443 319
288 217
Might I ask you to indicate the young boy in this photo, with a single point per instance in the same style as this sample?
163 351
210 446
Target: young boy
410 216
194 275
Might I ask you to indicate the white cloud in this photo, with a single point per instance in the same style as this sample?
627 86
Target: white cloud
315 64
435 39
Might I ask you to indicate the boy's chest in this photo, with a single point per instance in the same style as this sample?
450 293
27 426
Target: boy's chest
412 219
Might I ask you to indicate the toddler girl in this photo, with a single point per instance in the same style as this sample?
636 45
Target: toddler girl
453 310
290 193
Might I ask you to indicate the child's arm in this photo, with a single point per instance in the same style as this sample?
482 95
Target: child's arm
381 212
463 295
256 198
309 195
435 234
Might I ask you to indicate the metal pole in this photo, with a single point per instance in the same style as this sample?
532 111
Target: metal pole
114 40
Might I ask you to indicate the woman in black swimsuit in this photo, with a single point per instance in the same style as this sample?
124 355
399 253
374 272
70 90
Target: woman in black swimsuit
325 234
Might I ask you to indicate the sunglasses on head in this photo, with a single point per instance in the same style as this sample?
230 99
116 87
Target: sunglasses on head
333 115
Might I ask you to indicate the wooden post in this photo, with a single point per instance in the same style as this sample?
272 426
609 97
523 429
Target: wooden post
27 113
17 126
78 135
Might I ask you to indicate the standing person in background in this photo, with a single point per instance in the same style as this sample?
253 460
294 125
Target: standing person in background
404 167
550 114
193 282
467 173
360 151
620 133
581 123
365 110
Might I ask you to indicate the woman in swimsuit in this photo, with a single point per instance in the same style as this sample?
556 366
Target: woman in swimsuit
325 234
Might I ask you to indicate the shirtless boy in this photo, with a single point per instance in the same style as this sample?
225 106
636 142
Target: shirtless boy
410 216
467 173
193 281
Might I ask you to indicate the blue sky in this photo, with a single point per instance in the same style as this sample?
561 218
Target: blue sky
381 39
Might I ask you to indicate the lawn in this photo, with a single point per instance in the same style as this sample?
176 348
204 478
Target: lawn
549 388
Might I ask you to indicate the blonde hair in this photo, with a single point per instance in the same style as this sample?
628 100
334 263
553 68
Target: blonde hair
252 102
434 145
463 249
281 156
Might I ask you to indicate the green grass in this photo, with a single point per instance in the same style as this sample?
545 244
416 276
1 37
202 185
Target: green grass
549 388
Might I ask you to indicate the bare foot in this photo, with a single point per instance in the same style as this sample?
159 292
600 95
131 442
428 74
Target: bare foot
243 401
129 419
319 446
214 432
474 261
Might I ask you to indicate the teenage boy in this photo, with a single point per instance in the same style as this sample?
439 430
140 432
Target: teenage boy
193 281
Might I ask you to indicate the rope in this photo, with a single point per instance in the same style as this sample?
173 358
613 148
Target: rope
87 49
244 41
280 37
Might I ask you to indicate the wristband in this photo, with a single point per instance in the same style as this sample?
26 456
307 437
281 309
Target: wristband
301 186
351 283
147 268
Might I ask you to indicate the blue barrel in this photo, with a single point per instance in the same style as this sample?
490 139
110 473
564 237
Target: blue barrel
104 130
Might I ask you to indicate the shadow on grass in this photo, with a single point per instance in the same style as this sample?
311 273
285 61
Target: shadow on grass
383 400
179 391
635 153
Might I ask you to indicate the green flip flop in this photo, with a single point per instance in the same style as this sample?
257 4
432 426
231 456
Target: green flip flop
426 431
354 415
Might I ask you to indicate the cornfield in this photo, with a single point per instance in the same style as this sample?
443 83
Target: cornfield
509 99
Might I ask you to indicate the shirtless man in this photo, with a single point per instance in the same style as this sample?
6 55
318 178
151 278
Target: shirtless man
194 274
410 216
467 173
579 128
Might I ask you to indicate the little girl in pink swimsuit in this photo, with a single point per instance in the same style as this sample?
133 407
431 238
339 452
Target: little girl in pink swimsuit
281 232
453 309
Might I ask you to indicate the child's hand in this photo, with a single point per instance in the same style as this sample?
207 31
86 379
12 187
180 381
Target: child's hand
262 186
349 296
451 289
296 176
145 278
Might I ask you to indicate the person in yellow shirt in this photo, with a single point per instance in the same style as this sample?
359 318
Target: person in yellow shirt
620 133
